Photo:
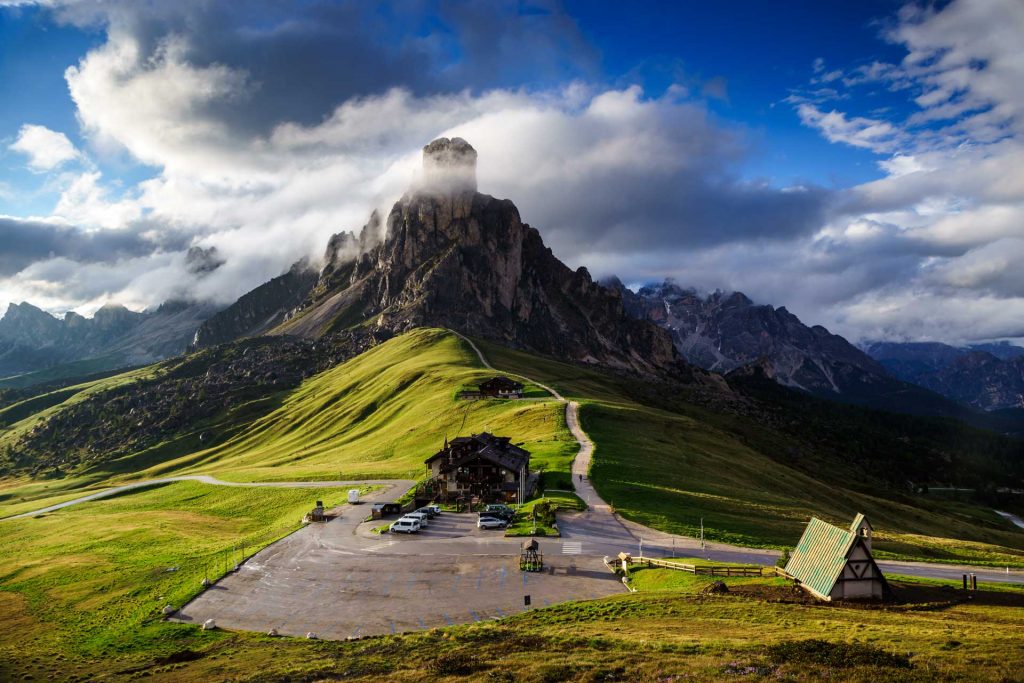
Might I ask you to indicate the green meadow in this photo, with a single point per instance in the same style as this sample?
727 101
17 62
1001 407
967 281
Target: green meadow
81 589
670 464
380 415
89 582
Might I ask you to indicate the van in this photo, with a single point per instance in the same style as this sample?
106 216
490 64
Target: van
406 525
422 516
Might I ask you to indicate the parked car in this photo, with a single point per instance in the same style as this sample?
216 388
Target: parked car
500 514
405 525
428 511
491 523
435 508
422 516
499 507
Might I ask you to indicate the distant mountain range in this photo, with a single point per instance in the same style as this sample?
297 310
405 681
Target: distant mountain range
725 331
729 333
985 376
32 340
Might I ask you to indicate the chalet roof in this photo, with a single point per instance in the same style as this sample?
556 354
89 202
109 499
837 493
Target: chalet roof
501 382
497 449
818 559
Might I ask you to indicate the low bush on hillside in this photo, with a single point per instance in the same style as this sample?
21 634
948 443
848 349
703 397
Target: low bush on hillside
837 655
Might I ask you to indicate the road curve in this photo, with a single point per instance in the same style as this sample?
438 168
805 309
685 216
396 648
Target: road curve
601 522
207 479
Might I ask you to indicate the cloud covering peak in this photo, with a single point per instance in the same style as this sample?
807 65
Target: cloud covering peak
257 130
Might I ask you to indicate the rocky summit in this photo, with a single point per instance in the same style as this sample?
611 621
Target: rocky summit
454 257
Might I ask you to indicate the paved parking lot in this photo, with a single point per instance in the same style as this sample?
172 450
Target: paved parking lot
340 580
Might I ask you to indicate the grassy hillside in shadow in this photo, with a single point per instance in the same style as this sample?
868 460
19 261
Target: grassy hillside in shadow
667 461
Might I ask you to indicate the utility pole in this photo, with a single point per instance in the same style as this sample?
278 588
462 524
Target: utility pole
640 552
702 545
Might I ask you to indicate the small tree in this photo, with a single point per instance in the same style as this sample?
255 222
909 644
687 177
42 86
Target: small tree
783 559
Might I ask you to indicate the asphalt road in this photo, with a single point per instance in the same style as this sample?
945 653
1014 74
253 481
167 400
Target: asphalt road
207 479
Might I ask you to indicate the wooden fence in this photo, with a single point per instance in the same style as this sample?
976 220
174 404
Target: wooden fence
708 569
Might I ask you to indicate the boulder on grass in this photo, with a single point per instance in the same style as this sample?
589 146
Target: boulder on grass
209 625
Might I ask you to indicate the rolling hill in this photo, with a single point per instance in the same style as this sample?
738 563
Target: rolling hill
667 454
97 573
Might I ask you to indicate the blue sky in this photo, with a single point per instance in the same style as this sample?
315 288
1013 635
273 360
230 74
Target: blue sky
855 161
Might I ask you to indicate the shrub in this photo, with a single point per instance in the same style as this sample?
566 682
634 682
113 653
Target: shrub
839 655
455 663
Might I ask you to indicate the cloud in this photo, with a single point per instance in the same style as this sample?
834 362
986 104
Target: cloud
46 149
247 155
858 131
930 250
28 241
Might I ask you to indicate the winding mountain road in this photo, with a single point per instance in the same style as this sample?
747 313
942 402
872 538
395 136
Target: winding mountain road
600 523
598 530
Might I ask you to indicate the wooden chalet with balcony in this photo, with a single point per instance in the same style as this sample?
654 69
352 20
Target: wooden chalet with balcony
501 387
481 466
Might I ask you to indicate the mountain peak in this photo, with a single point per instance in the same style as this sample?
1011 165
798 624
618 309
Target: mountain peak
449 166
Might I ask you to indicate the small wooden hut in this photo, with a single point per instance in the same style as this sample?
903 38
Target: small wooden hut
836 564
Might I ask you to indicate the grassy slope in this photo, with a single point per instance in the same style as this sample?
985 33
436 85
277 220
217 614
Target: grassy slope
96 574
670 633
79 590
668 470
379 415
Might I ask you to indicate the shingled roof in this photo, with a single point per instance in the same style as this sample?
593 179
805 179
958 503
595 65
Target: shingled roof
497 449
818 559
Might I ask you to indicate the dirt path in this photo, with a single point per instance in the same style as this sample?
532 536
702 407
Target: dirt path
600 522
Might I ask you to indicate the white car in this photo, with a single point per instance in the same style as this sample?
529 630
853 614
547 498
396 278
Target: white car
422 516
491 523
406 525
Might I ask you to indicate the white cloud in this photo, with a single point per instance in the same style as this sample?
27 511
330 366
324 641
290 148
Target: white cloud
610 167
858 131
46 149
87 203
623 183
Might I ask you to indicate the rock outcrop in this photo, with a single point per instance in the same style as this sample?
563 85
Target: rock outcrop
260 310
456 258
